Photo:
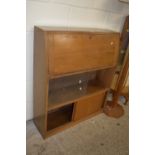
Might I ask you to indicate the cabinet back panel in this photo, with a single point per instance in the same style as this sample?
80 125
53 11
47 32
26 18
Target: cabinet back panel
59 117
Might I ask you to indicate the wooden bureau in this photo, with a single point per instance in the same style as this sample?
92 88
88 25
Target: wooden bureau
73 70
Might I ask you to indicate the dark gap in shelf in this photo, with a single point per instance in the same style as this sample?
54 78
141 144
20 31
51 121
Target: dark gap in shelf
59 116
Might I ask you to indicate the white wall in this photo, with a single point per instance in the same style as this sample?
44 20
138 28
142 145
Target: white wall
108 14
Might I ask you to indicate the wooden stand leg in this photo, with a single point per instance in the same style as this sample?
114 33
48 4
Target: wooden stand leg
113 109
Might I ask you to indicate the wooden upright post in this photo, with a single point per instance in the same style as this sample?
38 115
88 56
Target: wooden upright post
112 108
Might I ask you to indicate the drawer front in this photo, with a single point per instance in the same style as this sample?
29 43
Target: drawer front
88 106
79 52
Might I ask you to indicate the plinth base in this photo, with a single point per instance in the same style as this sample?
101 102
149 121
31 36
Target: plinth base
113 111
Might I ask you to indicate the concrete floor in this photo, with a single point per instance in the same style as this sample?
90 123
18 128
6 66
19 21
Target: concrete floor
99 135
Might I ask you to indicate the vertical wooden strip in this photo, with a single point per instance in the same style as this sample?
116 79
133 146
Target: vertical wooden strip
40 81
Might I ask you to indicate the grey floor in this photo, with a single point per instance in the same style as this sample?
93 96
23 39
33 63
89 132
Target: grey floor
99 135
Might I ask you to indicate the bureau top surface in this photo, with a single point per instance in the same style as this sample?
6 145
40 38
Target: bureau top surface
75 29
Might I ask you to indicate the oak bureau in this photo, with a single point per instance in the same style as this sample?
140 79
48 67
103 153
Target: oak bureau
73 69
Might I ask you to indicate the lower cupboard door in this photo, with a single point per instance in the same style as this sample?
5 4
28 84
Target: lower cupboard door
88 106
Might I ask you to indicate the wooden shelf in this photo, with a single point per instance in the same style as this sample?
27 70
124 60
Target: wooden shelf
71 94
70 124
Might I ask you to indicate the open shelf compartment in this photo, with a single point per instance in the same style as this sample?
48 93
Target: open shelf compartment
59 116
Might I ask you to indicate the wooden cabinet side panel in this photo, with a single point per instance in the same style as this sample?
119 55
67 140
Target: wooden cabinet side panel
117 49
40 88
105 77
124 73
